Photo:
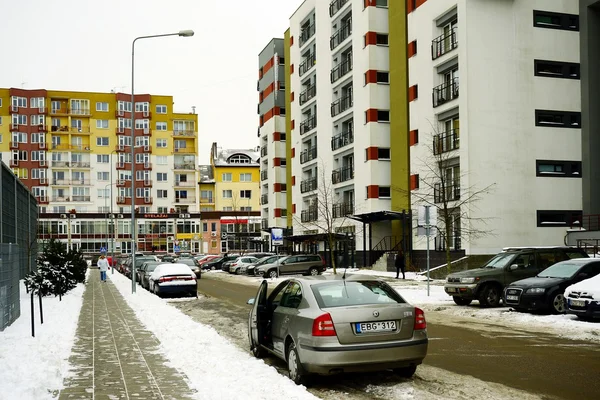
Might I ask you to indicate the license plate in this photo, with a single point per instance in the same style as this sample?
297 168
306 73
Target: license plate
513 298
379 326
578 303
451 290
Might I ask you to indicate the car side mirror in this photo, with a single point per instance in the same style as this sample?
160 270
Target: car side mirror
514 267
250 301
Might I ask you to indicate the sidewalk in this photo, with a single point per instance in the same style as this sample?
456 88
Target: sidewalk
114 357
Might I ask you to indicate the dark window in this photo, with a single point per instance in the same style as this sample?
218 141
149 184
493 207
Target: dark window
382 39
552 20
383 153
553 168
281 111
556 69
384 191
383 116
383 77
553 218
558 119
282 136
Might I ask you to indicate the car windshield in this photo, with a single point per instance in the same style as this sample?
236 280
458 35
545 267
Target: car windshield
500 261
353 293
560 270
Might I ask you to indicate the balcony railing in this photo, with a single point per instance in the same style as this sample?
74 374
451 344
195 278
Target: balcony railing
186 200
335 6
308 124
308 93
341 105
342 174
80 164
185 183
79 129
446 141
341 69
342 139
307 64
308 154
264 199
59 128
185 150
443 44
263 151
80 198
207 200
184 133
80 111
308 185
186 166
306 34
445 92
342 34
342 209
264 175
451 193
309 215
59 164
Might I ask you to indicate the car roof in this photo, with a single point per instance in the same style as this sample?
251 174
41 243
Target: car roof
174 267
316 280
517 248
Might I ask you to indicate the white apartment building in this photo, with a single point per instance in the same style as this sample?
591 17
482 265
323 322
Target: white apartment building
495 100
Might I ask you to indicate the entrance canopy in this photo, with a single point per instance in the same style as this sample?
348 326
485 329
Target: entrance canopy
379 216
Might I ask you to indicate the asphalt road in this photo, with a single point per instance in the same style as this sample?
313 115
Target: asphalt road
536 363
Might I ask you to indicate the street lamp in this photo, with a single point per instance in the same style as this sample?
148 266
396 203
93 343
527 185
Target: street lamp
112 220
184 33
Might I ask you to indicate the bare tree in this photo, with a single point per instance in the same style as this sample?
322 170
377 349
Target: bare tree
439 186
325 212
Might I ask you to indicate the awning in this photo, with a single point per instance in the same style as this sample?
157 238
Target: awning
317 237
379 216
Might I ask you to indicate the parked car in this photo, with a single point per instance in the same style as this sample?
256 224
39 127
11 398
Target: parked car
306 264
331 324
241 262
173 278
545 291
262 261
583 298
192 264
144 272
168 258
204 262
217 263
486 284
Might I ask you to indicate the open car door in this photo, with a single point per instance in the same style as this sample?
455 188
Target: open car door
257 320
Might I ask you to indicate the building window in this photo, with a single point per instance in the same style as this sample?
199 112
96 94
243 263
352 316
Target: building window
161 143
383 153
101 106
19 101
229 208
558 119
239 159
102 124
161 109
552 20
162 194
163 210
102 158
382 116
282 135
383 77
246 177
227 194
382 39
213 226
384 192
553 168
162 160
102 141
161 126
103 176
246 194
226 177
381 3
161 176
0 120
556 69
564 218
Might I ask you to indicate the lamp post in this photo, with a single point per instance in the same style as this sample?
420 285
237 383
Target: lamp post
112 216
184 33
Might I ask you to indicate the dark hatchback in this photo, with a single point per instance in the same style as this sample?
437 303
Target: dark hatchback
545 291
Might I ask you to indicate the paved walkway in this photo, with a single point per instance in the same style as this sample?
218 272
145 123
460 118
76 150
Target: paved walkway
114 356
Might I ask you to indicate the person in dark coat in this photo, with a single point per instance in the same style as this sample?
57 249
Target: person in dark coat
399 263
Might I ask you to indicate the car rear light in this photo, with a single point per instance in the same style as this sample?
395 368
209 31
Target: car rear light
233 265
420 322
323 326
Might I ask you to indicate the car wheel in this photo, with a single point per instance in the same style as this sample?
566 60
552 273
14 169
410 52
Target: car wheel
406 372
557 304
295 370
273 274
490 296
212 268
313 271
461 301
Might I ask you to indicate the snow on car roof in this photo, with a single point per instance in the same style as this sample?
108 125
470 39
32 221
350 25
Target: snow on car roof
591 285
173 268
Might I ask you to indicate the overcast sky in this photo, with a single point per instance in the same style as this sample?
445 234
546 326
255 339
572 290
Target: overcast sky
85 45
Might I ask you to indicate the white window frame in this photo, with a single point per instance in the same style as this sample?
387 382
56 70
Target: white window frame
161 126
229 175
102 106
101 124
244 176
227 194
161 109
100 141
161 143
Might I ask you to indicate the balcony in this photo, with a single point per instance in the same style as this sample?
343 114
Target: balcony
263 151
207 200
341 105
342 139
342 174
146 165
14 145
76 129
264 175
307 64
59 111
123 165
443 44
121 148
342 34
264 199
451 193
308 155
308 185
147 200
341 69
61 164
147 183
42 199
42 145
187 133
445 92
186 200
123 200
42 128
306 33
184 166
308 93
84 112
336 6
309 215
59 128
80 198
185 150
446 141
185 183
123 182
60 198
80 164
308 124
342 209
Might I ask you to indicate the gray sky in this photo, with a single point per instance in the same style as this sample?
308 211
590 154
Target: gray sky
86 46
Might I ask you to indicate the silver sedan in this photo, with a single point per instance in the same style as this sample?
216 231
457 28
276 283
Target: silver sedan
333 324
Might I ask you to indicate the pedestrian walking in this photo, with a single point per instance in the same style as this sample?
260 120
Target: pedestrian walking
399 263
103 265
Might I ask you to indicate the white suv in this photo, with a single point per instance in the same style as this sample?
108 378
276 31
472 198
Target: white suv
583 298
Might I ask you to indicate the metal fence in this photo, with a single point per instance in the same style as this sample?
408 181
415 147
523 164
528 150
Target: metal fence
10 308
